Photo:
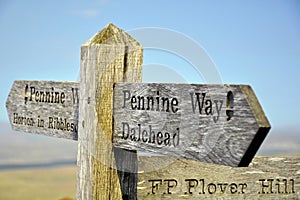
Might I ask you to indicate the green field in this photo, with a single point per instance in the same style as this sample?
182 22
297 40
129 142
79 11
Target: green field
34 184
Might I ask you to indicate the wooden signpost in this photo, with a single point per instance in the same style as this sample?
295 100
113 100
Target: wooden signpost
221 124
112 118
44 107
265 178
109 57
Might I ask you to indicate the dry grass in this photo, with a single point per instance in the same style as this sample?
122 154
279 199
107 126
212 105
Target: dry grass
33 184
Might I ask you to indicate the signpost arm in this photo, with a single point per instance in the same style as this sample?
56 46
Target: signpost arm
109 57
263 123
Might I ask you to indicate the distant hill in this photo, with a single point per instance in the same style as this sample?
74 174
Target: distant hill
281 140
24 149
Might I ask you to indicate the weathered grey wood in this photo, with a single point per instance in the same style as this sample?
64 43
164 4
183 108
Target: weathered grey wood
109 57
265 178
44 107
221 124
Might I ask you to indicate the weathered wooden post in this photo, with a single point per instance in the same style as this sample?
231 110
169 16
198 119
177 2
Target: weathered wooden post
220 124
109 57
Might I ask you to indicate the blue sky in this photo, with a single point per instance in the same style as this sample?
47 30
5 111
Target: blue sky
256 43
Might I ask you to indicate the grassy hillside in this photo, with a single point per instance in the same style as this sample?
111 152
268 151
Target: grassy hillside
34 184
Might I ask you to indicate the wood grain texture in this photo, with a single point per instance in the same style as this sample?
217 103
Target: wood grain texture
109 57
276 177
221 124
44 107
